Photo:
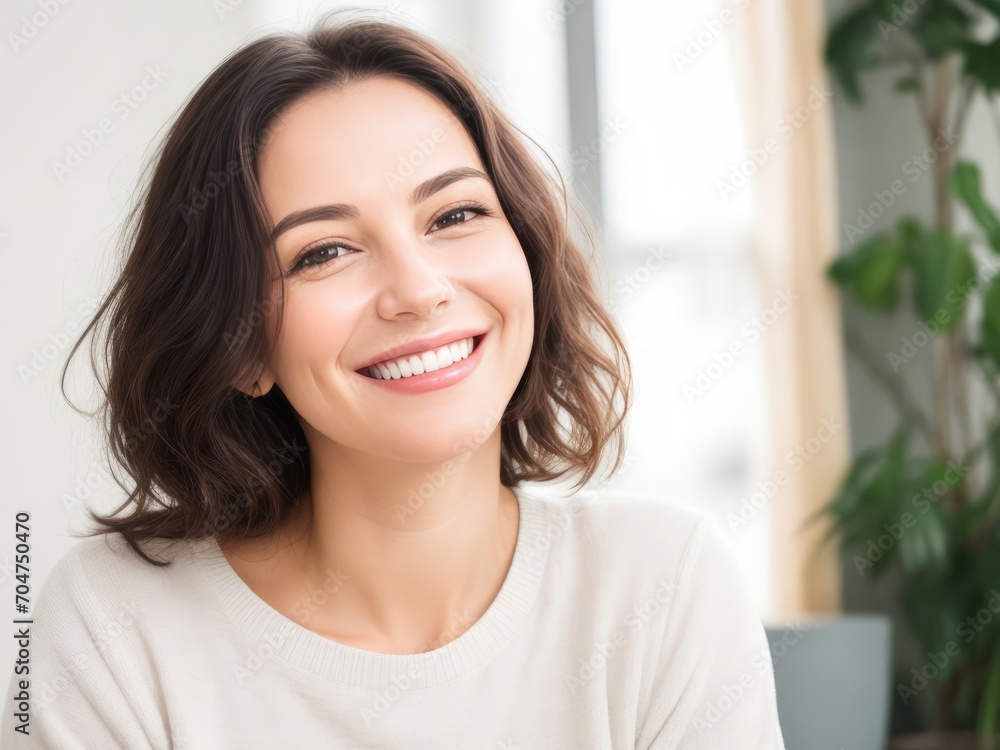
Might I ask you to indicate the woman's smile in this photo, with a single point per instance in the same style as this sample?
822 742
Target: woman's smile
430 370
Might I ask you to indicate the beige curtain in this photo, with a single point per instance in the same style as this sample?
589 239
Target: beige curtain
786 97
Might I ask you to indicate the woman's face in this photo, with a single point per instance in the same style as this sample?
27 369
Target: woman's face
379 251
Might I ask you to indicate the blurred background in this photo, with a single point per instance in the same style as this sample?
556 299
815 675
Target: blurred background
794 201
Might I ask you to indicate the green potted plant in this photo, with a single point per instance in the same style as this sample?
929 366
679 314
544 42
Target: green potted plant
926 504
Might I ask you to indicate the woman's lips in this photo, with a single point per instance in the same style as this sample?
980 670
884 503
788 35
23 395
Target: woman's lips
440 378
372 373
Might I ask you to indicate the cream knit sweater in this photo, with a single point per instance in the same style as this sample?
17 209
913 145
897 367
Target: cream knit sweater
623 623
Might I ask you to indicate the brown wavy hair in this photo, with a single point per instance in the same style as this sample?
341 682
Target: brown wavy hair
185 315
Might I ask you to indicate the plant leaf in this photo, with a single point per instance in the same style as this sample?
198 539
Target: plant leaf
982 63
983 509
849 48
884 9
845 503
925 545
944 269
993 6
909 230
933 606
842 270
872 271
942 27
964 183
991 320
989 706
855 508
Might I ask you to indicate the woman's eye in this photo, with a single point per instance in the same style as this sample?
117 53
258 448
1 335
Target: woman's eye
455 216
324 253
319 255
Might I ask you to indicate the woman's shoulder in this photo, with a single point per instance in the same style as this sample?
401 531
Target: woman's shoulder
111 552
103 572
609 526
611 510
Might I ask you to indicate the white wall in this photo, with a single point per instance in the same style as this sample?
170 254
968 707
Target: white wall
67 72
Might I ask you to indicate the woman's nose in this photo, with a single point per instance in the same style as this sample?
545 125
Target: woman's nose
415 279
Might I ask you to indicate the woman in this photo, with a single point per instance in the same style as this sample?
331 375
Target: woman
352 322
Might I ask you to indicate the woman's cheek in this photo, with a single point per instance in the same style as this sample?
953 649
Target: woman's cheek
498 258
315 326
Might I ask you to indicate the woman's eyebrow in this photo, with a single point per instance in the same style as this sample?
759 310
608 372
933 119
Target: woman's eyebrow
337 211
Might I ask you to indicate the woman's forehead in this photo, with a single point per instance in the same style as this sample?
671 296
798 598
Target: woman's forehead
367 146
371 129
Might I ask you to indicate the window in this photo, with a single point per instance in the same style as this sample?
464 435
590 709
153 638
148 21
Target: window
681 274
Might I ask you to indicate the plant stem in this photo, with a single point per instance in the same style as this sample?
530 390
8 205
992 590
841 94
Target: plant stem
963 408
943 81
943 87
973 455
990 376
946 700
959 353
963 113
917 66
892 383
994 115
940 399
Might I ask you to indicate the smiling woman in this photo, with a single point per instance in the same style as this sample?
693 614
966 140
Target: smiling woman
368 366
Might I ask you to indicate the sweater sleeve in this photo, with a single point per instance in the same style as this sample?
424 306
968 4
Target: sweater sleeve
81 695
713 688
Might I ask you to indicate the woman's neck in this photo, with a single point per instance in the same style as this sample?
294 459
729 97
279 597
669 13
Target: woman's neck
375 571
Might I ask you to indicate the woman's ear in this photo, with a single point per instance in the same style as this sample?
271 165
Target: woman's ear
256 386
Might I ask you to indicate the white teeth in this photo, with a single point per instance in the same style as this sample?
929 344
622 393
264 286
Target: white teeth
430 361
418 364
443 356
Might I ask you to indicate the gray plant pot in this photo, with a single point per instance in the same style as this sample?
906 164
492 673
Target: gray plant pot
833 675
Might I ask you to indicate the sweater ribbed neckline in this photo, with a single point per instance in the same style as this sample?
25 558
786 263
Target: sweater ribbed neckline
284 638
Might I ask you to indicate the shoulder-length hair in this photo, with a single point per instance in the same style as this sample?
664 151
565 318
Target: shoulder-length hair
186 316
